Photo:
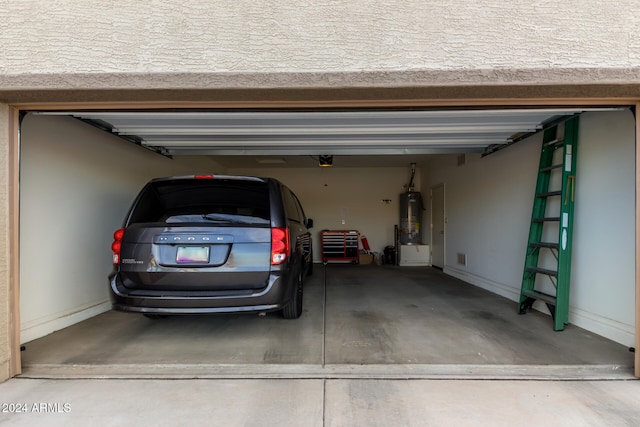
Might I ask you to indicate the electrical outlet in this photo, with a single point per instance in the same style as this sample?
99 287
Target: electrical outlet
462 259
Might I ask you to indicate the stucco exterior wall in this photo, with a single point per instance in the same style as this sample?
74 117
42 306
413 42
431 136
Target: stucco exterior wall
66 36
362 43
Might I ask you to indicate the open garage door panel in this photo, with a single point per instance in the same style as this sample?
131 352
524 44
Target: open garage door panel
297 133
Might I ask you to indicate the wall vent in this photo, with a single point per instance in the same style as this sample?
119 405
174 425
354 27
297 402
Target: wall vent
462 259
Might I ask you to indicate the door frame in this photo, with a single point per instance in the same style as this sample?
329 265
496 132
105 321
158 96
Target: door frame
637 233
14 165
444 223
13 257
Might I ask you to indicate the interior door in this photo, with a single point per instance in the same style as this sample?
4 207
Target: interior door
437 226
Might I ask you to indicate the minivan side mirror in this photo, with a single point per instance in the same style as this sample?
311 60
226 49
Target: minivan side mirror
309 223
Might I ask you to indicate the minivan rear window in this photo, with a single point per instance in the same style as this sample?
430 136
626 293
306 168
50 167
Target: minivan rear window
215 201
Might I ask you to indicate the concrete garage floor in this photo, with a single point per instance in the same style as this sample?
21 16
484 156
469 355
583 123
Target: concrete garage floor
358 322
378 346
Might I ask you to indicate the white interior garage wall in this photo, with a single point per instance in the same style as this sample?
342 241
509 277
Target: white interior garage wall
488 209
347 199
76 185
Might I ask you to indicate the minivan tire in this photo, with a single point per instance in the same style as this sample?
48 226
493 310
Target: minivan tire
293 309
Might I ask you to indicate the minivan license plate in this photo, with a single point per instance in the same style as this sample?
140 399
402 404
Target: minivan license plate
191 254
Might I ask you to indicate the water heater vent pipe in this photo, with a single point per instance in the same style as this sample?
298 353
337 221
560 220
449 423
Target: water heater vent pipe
413 173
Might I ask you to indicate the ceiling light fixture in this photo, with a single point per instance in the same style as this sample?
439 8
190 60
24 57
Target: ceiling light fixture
325 160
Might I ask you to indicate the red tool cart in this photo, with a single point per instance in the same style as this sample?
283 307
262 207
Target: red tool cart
340 246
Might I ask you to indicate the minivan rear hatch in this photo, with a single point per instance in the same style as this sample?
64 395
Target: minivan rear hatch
190 234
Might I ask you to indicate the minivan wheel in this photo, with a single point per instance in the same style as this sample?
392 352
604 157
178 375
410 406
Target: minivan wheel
293 310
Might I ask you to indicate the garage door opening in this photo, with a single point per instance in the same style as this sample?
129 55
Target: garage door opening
84 179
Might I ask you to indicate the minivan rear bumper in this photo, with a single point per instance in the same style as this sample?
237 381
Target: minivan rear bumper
273 297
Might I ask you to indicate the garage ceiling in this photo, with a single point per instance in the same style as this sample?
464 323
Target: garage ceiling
286 134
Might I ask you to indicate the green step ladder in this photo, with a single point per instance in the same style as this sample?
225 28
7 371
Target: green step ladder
560 275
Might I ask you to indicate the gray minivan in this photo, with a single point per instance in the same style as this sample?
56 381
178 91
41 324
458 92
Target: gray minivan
212 244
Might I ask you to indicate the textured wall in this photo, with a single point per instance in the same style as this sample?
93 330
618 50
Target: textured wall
95 36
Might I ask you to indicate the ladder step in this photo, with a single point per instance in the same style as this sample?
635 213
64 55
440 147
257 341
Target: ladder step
547 245
547 219
550 193
549 299
541 271
550 168
556 142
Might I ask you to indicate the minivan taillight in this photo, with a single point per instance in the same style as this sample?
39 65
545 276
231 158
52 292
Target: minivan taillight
279 245
117 245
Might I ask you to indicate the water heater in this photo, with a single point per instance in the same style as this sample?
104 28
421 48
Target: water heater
410 215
